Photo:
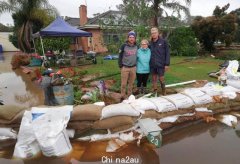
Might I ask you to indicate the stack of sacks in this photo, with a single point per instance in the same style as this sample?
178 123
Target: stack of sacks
164 108
11 115
117 117
200 99
225 98
83 118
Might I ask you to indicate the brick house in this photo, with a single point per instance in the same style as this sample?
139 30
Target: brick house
96 25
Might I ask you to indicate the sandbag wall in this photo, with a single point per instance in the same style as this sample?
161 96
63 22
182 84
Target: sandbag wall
92 119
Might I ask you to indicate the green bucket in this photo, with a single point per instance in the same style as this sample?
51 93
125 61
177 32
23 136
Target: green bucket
64 94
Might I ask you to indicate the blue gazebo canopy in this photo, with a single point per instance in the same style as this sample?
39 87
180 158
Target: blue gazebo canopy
61 28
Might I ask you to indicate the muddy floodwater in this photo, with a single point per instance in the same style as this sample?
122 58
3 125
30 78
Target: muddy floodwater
195 143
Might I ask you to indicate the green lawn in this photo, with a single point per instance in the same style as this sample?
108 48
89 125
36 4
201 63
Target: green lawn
181 69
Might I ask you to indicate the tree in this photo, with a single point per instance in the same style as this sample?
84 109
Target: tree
237 35
29 17
183 42
221 27
150 12
160 5
220 12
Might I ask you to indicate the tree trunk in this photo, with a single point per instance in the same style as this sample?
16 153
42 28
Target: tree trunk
156 11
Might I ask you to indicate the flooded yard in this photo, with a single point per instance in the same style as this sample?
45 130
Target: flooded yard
197 143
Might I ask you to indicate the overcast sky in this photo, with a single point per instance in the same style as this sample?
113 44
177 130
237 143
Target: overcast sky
70 7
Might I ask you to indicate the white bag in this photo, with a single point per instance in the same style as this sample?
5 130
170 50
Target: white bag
234 83
50 130
143 104
119 109
232 69
163 105
27 145
180 100
198 96
6 133
211 89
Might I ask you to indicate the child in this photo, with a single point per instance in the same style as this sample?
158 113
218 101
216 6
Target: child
143 68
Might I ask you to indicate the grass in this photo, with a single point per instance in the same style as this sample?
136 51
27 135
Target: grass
181 69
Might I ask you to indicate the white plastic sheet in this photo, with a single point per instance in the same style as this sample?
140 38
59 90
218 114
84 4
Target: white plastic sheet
7 133
174 118
203 110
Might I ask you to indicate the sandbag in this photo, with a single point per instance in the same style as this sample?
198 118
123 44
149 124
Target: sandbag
197 96
113 122
237 99
15 120
121 128
216 106
80 125
118 110
180 100
142 104
233 103
211 90
234 83
157 115
7 112
86 112
163 105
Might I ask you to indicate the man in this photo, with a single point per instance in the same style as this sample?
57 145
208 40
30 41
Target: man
160 59
127 64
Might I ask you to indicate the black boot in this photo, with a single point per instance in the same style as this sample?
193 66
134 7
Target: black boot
143 90
138 91
163 88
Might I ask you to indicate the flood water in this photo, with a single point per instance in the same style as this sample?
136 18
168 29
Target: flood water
16 87
195 143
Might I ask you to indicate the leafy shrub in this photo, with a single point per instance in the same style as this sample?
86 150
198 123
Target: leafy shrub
183 43
229 55
53 44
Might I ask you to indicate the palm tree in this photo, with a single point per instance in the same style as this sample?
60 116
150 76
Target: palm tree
29 16
160 5
152 9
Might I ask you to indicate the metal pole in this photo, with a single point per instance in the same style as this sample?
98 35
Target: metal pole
42 47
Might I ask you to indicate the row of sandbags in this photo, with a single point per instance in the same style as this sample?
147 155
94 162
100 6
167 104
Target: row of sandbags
92 118
122 116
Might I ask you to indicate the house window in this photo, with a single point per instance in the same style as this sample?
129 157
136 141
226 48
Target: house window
111 38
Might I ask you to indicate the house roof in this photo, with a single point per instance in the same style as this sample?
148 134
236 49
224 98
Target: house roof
4 28
92 21
72 21
106 14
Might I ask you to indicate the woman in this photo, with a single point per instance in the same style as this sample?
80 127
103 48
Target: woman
143 68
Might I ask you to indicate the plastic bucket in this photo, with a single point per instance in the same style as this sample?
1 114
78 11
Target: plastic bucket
64 94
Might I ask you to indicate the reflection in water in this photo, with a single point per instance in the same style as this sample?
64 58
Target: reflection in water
17 87
237 133
196 143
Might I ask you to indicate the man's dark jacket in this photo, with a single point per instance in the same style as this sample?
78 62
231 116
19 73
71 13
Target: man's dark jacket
160 56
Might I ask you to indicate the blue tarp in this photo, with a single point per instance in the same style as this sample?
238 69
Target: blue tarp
61 28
